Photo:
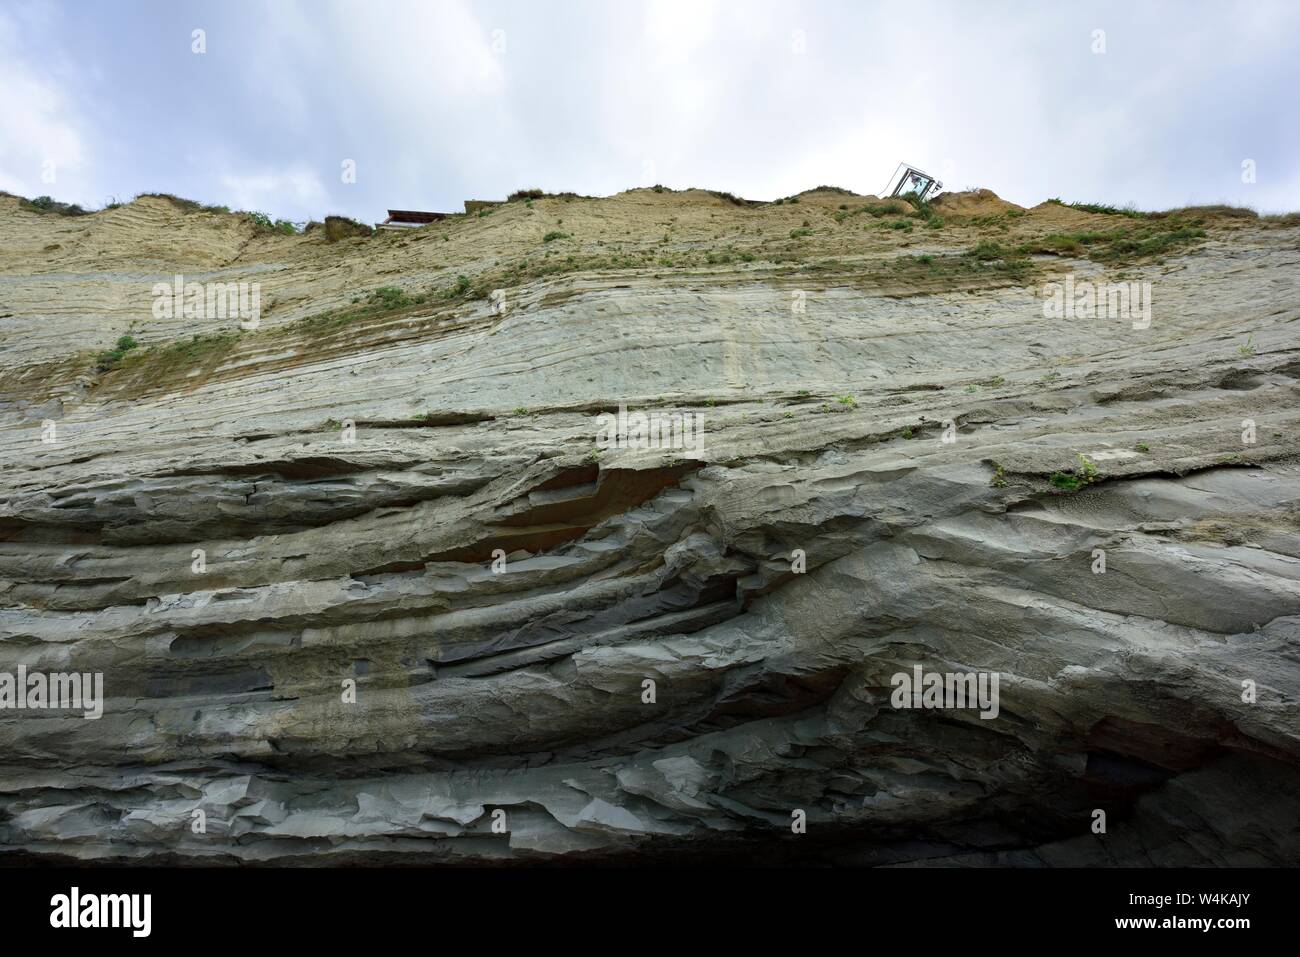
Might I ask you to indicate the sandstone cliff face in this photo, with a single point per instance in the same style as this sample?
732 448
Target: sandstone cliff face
277 545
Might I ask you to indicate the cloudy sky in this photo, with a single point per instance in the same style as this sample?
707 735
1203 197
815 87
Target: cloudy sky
435 101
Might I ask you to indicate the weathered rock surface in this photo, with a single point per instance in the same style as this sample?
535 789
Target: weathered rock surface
524 691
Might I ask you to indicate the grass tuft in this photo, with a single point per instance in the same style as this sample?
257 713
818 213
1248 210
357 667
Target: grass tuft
1074 479
111 358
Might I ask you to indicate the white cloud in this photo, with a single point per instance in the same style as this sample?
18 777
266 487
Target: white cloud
297 190
40 133
408 91
401 62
